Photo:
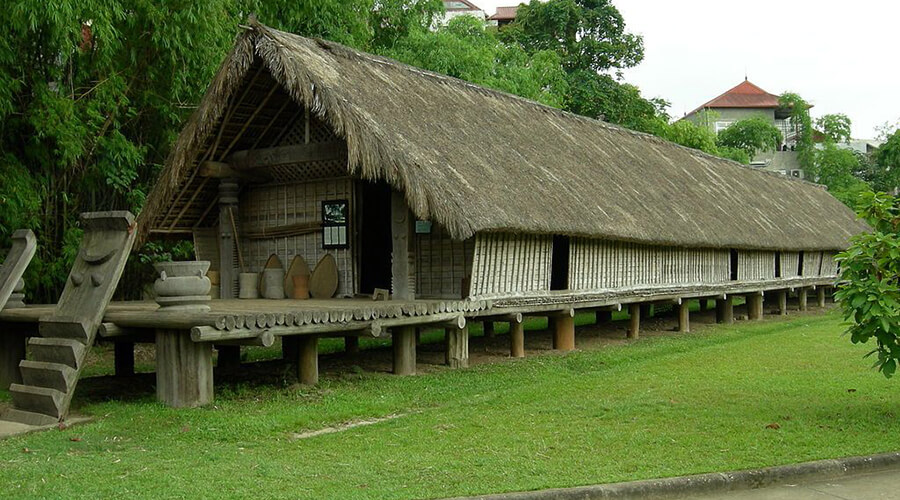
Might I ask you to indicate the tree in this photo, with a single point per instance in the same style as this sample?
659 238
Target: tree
465 49
751 135
835 168
886 164
802 125
588 35
836 127
868 290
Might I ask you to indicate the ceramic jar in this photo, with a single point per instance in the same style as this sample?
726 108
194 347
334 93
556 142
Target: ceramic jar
182 286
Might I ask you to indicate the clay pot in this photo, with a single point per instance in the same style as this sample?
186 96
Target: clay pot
301 286
248 285
182 286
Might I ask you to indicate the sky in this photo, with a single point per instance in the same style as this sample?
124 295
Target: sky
840 56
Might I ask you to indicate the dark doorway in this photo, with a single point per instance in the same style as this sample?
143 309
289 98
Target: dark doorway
800 265
559 263
374 245
777 264
734 265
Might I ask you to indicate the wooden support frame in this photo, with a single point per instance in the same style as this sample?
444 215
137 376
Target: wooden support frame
634 321
458 347
782 302
755 306
725 310
802 299
564 331
252 159
516 336
684 316
308 360
403 341
184 371
820 296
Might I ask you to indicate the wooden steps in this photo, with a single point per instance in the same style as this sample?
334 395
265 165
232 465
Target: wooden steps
50 376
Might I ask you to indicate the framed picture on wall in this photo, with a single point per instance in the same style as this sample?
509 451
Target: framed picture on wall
335 217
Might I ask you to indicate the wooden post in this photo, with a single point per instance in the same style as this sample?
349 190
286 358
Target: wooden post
488 328
820 296
184 373
725 310
517 339
782 302
634 324
124 358
12 351
684 316
351 345
228 206
801 297
458 347
403 340
308 359
755 306
604 316
564 332
402 271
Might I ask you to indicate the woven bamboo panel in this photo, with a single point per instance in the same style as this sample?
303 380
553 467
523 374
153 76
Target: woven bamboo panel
598 265
511 263
812 263
442 264
756 265
790 264
278 205
829 265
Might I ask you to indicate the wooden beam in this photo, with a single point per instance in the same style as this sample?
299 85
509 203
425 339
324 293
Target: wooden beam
517 338
184 374
404 344
755 306
308 360
458 347
820 296
222 170
564 333
634 324
801 297
684 316
283 155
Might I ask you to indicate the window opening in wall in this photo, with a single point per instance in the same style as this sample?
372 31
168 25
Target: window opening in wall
559 263
734 265
777 264
800 265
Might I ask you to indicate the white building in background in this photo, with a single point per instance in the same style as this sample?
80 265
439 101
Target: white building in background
457 8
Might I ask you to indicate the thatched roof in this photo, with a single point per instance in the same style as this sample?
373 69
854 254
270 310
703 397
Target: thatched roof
474 159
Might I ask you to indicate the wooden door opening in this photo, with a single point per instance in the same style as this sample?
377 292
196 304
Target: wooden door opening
734 265
559 263
374 247
800 264
777 264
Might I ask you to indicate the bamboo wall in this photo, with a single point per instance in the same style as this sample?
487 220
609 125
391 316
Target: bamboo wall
812 263
790 264
754 265
510 263
443 265
278 205
829 266
599 264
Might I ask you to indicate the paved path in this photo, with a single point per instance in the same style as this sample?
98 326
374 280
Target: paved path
882 485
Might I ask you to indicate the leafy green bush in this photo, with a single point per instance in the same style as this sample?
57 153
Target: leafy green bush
868 290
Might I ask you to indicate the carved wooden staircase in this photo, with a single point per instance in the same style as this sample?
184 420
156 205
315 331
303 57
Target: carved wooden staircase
57 357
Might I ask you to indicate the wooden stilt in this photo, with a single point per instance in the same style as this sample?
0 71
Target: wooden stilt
229 357
184 374
458 347
754 306
308 359
351 345
684 316
725 310
802 299
404 343
488 328
782 302
820 296
124 358
12 351
564 333
517 339
634 324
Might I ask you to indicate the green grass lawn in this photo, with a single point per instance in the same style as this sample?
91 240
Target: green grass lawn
662 406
